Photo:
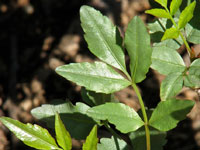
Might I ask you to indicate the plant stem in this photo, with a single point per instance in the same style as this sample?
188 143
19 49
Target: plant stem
148 143
182 37
111 130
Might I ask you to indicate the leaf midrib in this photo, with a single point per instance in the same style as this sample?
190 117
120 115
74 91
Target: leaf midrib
95 76
105 42
34 135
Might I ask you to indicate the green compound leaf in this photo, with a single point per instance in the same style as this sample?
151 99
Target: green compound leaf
137 43
166 60
122 116
62 135
32 135
93 99
162 2
103 38
74 117
157 12
112 143
171 85
171 33
192 80
168 113
174 6
98 76
138 139
91 140
186 15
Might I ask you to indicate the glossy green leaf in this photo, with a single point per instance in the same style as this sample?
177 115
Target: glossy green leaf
166 60
122 116
93 99
168 113
137 43
92 140
171 85
102 37
186 15
112 143
62 135
138 139
174 6
74 118
162 2
171 33
98 76
157 12
32 135
193 78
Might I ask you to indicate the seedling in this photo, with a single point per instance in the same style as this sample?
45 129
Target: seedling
100 80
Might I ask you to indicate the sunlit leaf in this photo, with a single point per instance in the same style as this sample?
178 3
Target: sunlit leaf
91 140
171 85
193 78
112 143
162 2
171 33
157 12
102 37
174 6
137 43
166 60
168 113
98 76
62 135
122 116
186 15
32 135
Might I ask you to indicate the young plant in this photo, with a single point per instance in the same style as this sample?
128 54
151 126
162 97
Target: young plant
100 80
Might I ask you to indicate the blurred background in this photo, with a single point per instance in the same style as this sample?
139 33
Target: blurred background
36 36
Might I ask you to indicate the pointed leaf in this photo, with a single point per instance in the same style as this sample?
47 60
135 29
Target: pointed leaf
194 36
112 143
62 135
123 117
166 60
138 139
158 12
137 43
171 85
74 117
162 2
174 6
102 37
192 80
98 76
157 28
168 113
186 15
32 135
195 67
92 140
93 99
171 33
